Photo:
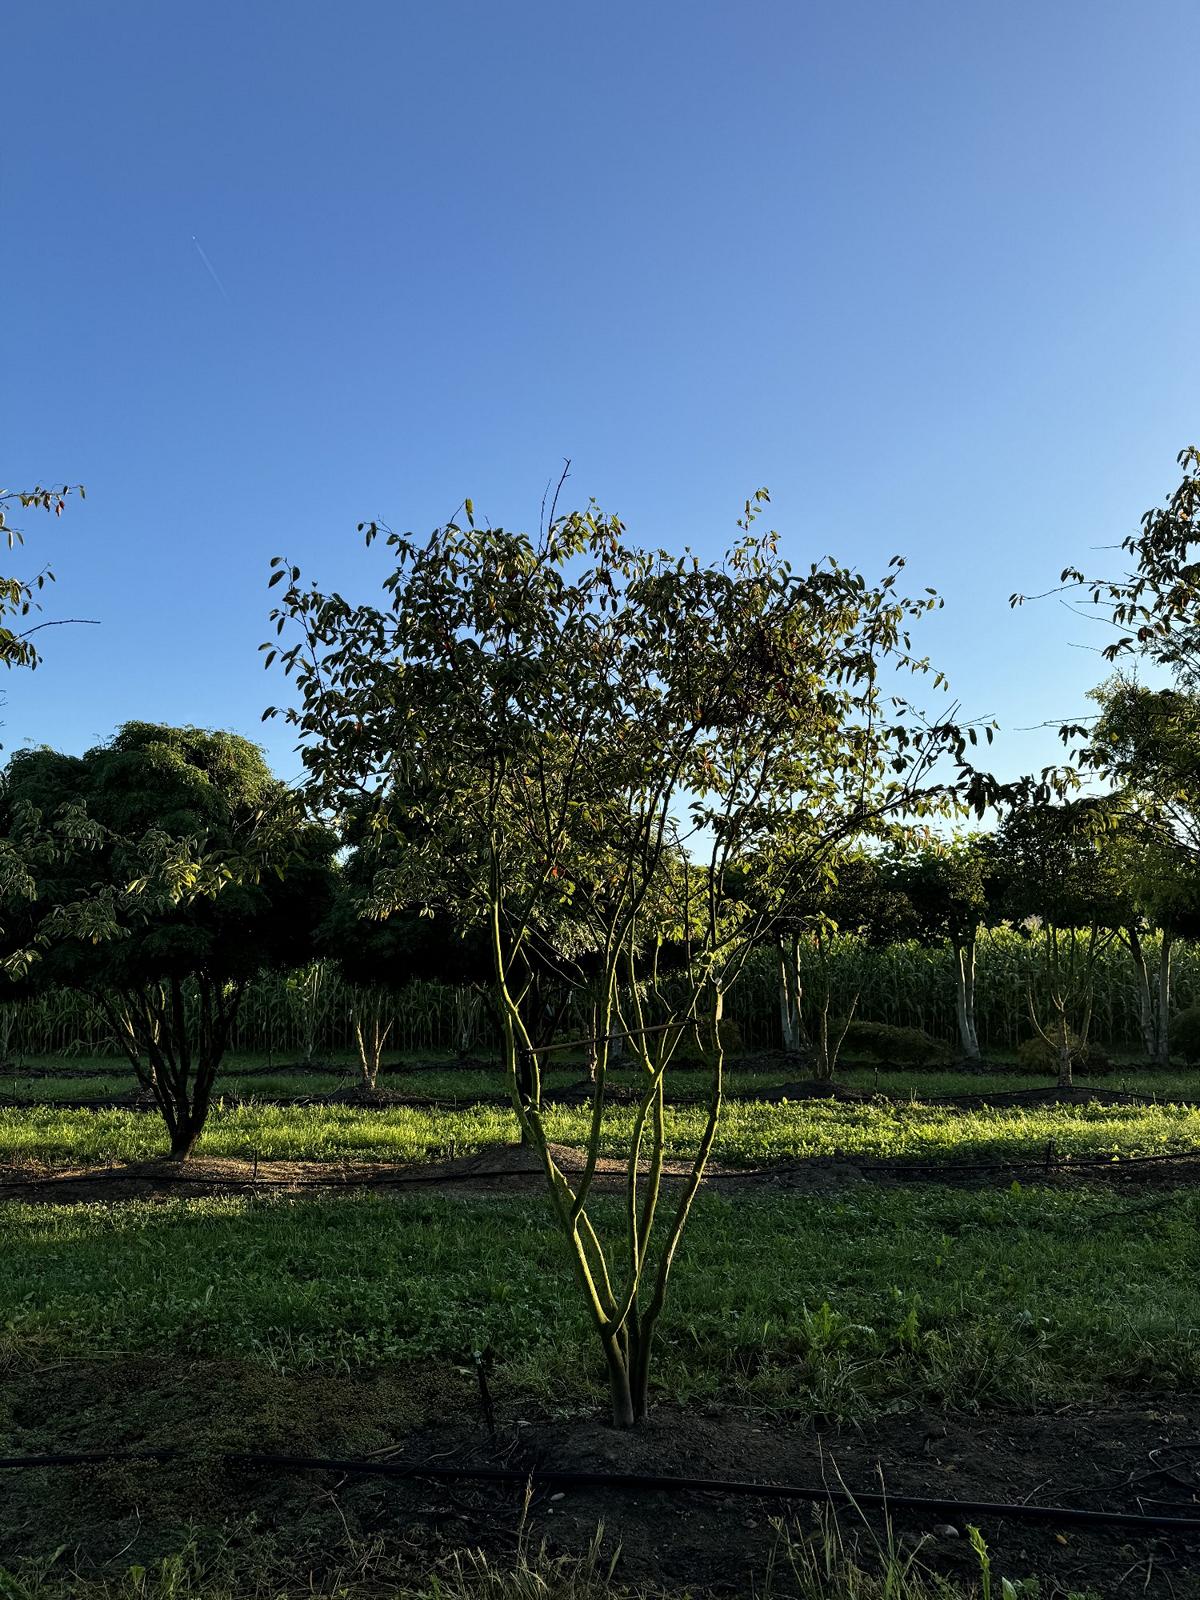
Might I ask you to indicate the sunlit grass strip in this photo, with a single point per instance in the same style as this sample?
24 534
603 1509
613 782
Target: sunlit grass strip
751 1132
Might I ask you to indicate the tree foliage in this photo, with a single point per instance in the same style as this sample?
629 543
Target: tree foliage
159 872
950 888
18 596
1155 605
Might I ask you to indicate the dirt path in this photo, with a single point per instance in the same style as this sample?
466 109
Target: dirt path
508 1169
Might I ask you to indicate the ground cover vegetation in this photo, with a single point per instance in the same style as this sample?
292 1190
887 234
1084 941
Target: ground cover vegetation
647 879
833 1303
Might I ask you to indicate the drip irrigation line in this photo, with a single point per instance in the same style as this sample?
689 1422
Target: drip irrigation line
568 1478
397 1180
1058 1163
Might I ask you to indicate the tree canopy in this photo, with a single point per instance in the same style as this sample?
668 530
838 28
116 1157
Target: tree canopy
182 869
582 742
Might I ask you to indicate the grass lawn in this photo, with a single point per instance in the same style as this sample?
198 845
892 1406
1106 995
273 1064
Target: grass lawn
751 1132
341 1324
840 1305
51 1078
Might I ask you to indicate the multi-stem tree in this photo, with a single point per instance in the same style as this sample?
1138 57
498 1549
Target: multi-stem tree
159 873
579 733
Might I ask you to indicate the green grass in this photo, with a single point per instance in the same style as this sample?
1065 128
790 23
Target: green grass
1021 1296
751 1132
242 1077
903 1082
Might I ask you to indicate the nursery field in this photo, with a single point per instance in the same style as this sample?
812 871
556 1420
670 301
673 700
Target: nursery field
875 1287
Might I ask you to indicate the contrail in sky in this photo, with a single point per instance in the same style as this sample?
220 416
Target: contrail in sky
212 271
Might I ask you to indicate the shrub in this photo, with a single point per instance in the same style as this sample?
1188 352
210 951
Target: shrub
1035 1055
731 1041
901 1047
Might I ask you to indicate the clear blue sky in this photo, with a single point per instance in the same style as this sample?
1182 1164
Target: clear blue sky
927 270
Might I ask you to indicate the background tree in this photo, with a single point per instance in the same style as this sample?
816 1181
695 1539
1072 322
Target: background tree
852 899
189 869
1145 742
1059 880
946 884
581 727
377 956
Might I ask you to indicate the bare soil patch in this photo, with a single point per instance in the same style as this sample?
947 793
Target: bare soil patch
498 1169
509 1169
1122 1455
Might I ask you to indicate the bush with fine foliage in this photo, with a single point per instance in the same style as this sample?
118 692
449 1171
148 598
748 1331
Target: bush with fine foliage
1035 1055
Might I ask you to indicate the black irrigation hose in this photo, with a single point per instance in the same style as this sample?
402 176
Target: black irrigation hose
548 1477
1058 1164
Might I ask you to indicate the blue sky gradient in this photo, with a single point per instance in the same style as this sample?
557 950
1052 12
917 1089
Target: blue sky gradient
929 271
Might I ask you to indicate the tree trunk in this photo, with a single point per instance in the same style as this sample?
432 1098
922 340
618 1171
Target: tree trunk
964 976
621 1394
174 1050
1162 1054
791 1026
593 1048
527 1089
1066 1076
640 1384
371 1035
1147 1020
185 1135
